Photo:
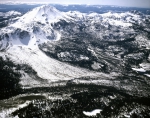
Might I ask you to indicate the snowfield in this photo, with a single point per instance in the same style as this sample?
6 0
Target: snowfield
47 68
139 69
92 113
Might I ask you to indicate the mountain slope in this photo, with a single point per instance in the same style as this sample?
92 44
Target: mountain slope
20 40
47 68
100 42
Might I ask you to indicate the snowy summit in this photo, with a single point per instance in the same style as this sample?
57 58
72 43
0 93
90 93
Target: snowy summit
32 28
44 14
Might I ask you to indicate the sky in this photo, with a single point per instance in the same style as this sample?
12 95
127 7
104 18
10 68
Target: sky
128 3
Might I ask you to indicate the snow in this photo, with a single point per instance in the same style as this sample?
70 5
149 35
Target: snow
92 51
36 24
104 79
112 97
55 98
145 66
58 36
118 19
148 75
127 116
10 13
43 14
42 17
139 69
75 15
119 23
46 67
96 65
6 113
92 113
30 38
66 56
82 57
97 82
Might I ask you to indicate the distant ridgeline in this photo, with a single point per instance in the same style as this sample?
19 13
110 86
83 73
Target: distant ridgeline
23 8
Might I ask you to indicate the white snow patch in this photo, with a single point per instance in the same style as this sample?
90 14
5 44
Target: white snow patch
112 97
97 66
127 116
148 75
92 113
139 69
55 98
82 57
58 36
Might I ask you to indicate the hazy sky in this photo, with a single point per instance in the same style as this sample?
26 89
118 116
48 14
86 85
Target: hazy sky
135 3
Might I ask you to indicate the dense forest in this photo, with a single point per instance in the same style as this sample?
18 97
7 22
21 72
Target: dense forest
9 79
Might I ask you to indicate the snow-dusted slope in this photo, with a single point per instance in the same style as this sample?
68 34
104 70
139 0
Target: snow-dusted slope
10 13
47 68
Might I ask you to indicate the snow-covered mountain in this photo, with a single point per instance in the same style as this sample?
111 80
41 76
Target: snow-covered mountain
32 28
20 40
35 27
